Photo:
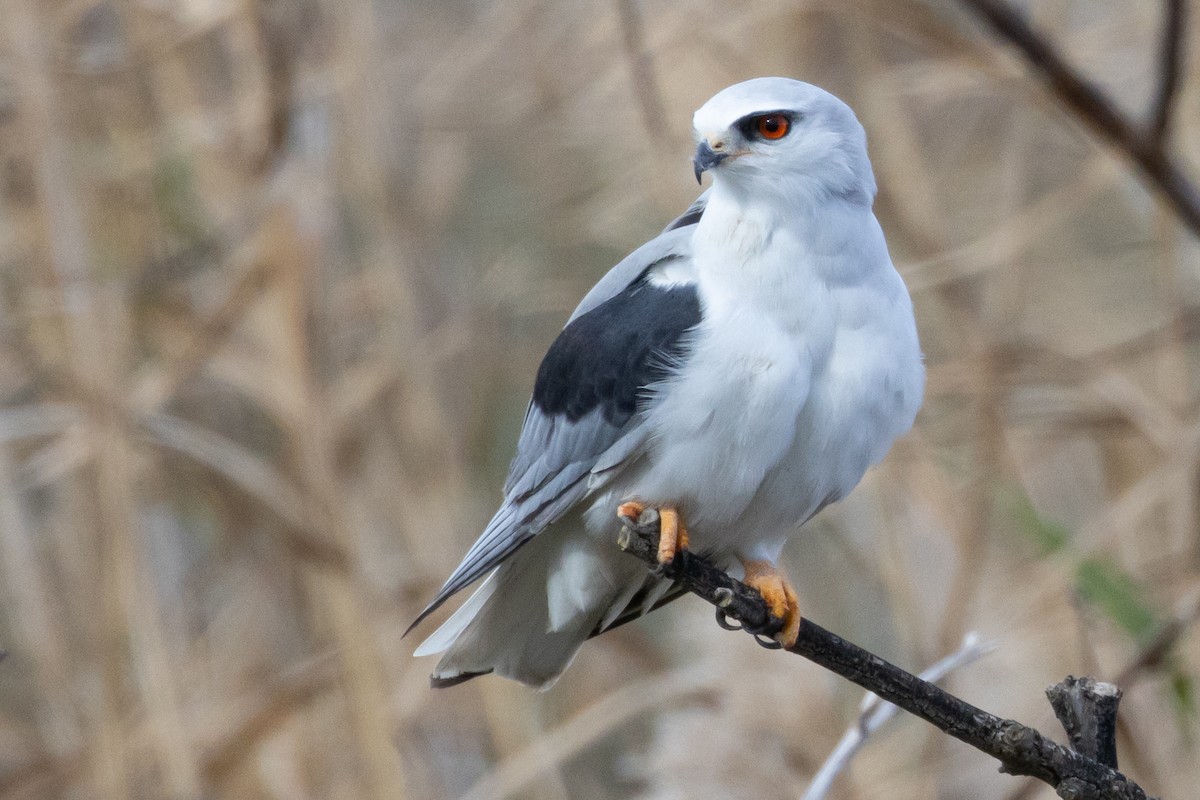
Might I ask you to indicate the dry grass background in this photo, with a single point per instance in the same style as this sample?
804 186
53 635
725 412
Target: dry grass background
275 278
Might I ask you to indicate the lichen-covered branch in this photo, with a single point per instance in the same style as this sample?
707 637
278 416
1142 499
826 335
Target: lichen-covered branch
1021 750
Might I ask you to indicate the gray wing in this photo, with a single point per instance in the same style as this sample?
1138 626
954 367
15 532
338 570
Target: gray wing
582 423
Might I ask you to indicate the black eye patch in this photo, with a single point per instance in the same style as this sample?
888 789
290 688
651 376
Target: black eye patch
766 125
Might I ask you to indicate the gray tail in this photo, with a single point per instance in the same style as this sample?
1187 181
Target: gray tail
529 618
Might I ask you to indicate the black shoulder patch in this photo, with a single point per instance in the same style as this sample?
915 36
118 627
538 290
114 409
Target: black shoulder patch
607 357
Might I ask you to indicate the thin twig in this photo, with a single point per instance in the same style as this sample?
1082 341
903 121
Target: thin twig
1088 103
1021 750
874 713
1170 61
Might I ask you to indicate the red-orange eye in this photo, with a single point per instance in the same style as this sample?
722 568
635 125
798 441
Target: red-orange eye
772 126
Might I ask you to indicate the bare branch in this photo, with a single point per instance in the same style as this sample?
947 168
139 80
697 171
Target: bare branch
1087 710
1021 750
1088 103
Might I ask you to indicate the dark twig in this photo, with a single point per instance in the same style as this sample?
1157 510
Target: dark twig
1019 749
1170 61
1087 710
1094 108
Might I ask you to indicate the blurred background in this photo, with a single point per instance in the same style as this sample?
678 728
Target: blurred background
276 276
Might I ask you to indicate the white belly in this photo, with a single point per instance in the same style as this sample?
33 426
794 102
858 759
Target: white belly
769 423
803 370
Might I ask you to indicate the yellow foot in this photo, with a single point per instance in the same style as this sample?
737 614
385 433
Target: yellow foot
631 510
672 537
781 598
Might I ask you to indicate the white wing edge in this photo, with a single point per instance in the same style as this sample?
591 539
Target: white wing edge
441 639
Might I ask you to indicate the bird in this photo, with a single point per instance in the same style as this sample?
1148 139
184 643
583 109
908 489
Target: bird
737 373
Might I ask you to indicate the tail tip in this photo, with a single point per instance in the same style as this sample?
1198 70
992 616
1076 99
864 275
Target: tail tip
437 681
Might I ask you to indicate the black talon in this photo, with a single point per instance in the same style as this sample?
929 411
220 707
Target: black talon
765 635
723 621
767 631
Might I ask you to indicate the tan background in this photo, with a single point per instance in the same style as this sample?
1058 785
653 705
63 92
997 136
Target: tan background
275 278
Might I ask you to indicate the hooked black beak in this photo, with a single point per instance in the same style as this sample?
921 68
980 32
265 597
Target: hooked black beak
706 158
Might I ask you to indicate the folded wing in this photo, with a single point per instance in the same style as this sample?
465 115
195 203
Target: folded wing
583 422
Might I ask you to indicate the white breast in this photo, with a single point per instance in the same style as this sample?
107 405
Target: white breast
804 370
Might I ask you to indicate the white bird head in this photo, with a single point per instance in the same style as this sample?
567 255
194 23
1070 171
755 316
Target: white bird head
782 135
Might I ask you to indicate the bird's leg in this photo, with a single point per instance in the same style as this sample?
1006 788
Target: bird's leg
779 595
672 533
